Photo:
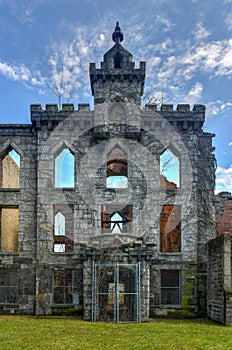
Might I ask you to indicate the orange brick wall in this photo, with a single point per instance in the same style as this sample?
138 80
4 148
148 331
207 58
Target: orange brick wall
224 219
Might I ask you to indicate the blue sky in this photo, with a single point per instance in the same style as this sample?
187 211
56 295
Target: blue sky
187 45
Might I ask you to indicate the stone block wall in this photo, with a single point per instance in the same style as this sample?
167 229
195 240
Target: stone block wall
219 279
20 256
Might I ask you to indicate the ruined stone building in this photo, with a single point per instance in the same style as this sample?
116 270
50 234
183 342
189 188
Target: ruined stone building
110 212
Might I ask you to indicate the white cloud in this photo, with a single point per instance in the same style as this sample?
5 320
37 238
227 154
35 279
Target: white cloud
194 94
9 71
201 32
213 108
213 58
217 107
21 73
166 23
224 179
230 144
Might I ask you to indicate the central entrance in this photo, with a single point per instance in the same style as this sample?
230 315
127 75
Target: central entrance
116 292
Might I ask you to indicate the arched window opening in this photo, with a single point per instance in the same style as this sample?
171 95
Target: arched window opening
64 169
116 223
63 228
10 169
59 224
169 170
116 173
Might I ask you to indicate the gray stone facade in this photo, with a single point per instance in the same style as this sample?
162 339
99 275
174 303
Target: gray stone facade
86 269
219 279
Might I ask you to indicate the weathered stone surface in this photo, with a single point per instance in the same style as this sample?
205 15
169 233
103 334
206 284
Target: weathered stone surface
141 134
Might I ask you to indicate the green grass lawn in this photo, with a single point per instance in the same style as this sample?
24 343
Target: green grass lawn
19 332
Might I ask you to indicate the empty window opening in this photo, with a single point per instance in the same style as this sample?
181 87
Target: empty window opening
170 229
9 229
59 247
116 182
116 223
170 287
169 170
63 287
10 169
59 224
116 173
116 219
8 286
64 169
118 60
63 228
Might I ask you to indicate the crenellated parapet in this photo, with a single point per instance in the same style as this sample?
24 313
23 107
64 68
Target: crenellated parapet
52 116
182 118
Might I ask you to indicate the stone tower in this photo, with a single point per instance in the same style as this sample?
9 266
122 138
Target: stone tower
117 80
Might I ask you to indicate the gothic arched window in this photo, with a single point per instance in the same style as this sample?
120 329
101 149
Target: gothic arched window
59 224
169 170
116 169
10 169
116 223
64 169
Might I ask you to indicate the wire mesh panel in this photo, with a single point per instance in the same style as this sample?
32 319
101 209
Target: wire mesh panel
9 294
116 292
170 287
63 289
8 287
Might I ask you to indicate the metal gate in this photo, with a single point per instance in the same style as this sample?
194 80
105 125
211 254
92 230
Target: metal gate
116 292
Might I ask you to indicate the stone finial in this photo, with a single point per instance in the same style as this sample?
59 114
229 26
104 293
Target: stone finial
117 35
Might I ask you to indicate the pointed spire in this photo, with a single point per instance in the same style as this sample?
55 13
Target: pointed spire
117 35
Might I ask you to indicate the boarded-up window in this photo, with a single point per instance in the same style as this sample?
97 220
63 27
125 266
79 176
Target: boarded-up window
9 227
170 287
170 229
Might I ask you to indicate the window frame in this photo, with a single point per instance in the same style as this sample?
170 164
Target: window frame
56 155
178 184
2 233
63 286
12 288
179 288
171 233
66 241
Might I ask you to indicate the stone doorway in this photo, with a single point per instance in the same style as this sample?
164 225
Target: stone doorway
116 292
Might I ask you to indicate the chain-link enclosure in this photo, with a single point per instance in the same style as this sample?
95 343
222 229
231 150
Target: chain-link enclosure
116 292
